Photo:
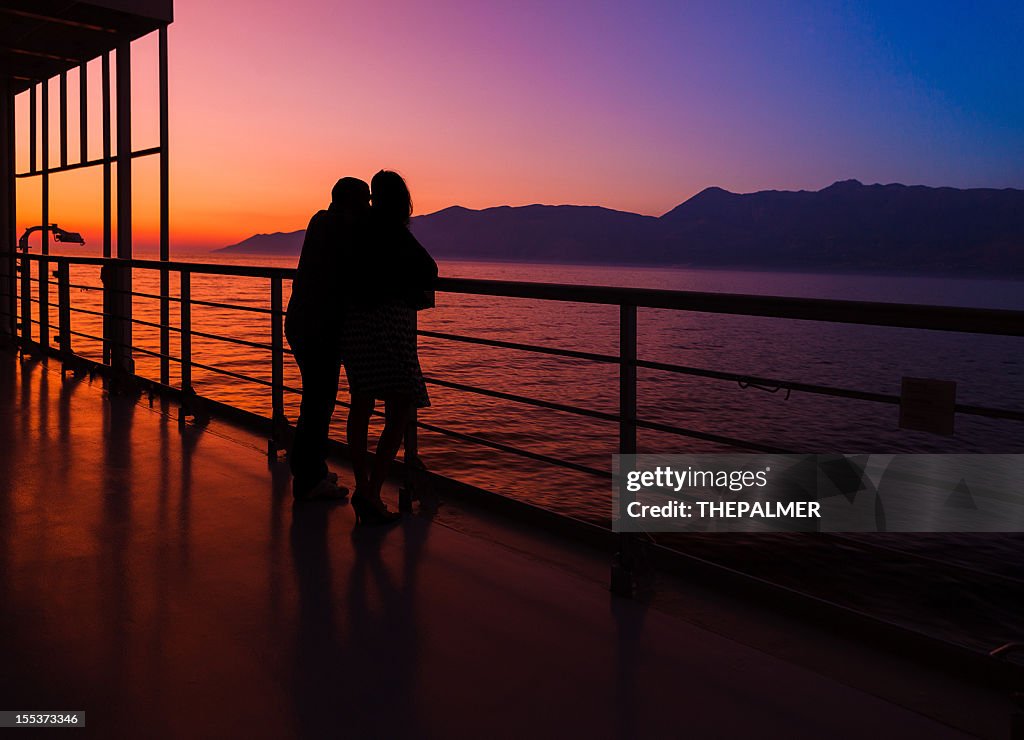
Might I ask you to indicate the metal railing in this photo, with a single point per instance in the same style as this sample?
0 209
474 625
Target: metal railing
626 360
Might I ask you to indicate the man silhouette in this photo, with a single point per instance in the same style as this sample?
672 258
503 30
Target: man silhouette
312 326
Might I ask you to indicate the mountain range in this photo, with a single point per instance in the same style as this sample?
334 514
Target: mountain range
847 226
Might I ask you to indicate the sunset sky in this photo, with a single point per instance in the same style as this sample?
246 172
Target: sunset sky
635 106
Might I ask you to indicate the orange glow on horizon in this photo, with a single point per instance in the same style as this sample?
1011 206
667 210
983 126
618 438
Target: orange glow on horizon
253 151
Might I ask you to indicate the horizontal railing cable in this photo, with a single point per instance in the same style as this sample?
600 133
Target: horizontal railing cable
570 353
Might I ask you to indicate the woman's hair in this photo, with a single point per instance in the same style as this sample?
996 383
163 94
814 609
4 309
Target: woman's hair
390 196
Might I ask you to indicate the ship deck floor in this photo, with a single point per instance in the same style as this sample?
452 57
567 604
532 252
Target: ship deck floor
162 581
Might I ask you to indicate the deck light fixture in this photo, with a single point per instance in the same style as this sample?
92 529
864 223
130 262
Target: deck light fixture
59 234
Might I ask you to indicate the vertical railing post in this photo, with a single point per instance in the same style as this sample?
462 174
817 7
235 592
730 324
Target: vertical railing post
107 280
26 298
411 441
165 327
623 571
279 422
411 459
186 331
117 311
627 380
186 345
44 299
12 297
64 306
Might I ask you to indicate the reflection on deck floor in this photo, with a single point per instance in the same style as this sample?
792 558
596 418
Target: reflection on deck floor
162 582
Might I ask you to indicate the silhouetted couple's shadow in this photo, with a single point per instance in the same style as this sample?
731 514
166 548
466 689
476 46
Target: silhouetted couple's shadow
356 628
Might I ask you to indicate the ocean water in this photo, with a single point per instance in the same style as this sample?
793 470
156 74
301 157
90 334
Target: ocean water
966 588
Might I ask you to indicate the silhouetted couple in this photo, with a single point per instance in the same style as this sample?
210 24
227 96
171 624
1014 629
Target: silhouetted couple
362 276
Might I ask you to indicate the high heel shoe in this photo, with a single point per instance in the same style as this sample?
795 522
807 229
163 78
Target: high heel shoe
373 513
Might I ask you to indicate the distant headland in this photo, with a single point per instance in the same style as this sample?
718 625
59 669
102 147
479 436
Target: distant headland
847 226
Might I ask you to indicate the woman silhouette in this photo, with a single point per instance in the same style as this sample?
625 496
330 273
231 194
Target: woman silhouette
391 278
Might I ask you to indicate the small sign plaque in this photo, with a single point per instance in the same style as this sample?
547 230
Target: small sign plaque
928 405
